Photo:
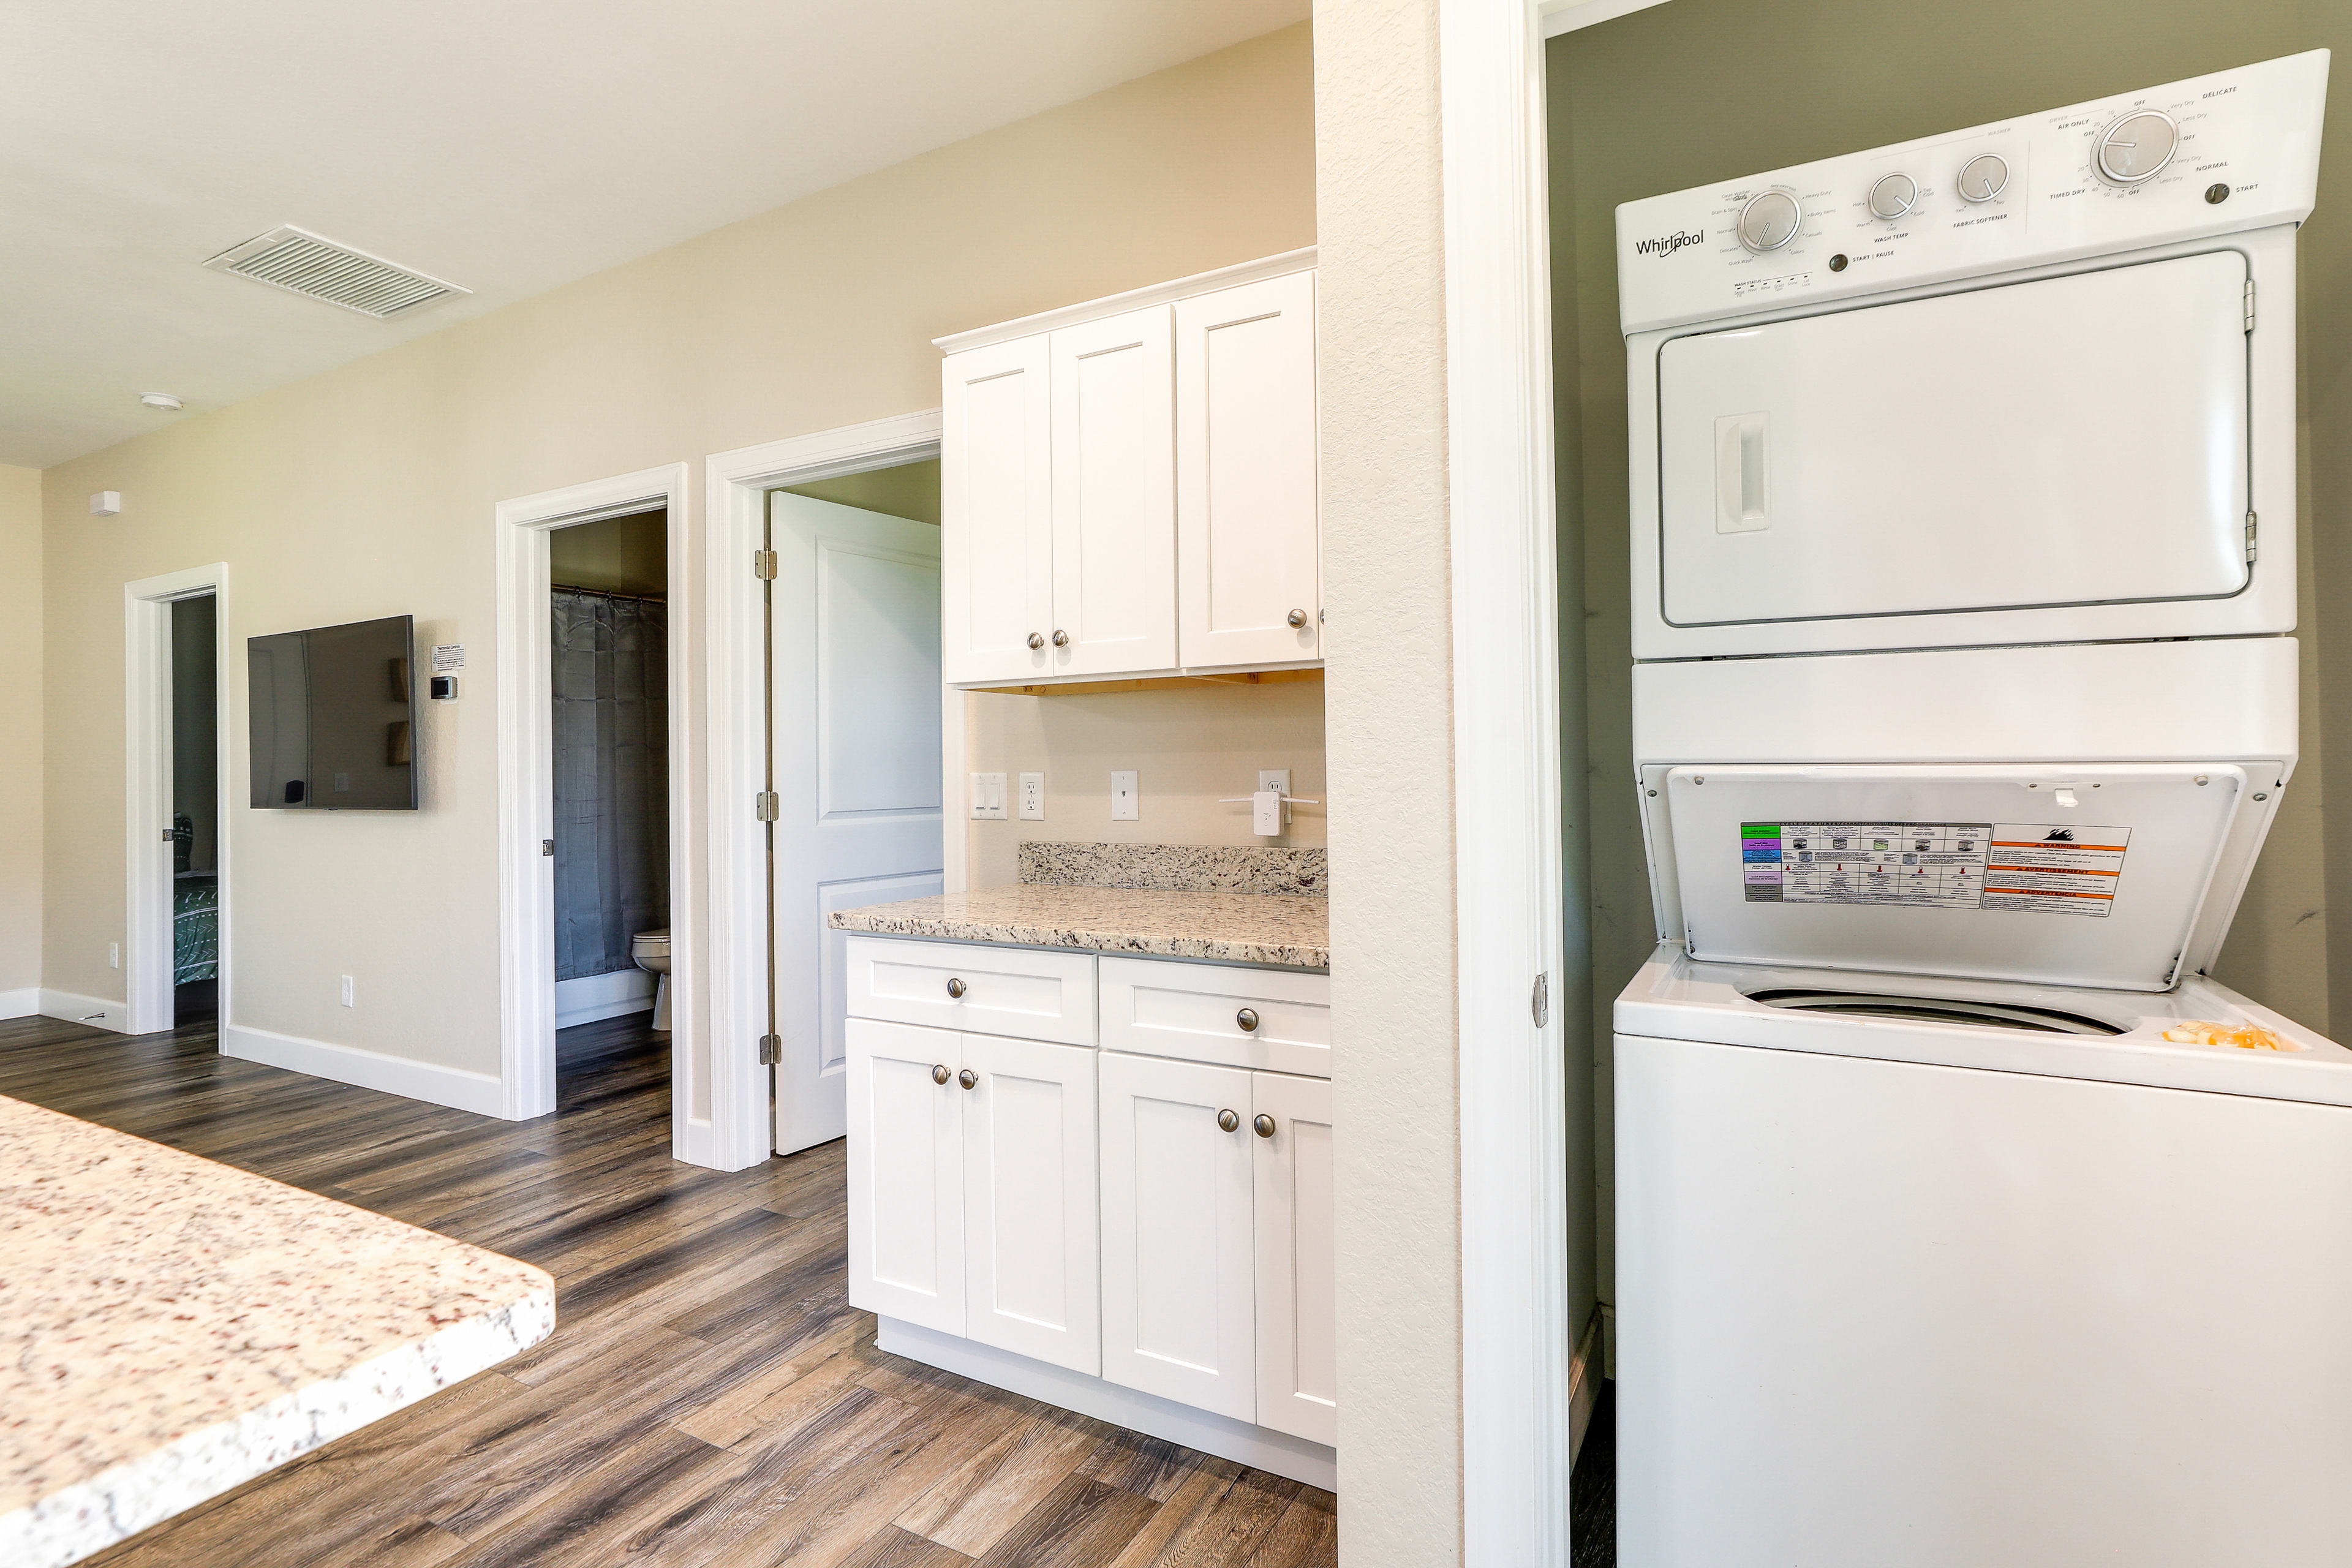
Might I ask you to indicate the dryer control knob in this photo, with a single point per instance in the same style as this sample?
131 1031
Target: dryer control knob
1893 195
1983 177
1769 220
2138 147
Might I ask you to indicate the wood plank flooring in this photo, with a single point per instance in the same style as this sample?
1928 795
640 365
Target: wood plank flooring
710 1399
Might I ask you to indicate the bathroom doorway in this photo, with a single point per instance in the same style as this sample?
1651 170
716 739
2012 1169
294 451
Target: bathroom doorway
608 661
195 810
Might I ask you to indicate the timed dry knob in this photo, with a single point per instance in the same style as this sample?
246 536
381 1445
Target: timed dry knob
2138 147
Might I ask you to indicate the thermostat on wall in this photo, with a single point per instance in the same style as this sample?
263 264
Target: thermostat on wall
444 688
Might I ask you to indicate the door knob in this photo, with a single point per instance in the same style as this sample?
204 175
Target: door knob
1228 1120
967 1077
1061 639
939 1072
1297 618
1247 1019
1036 639
1265 1125
956 989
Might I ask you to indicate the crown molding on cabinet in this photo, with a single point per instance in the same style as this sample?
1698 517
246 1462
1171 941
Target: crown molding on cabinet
1289 261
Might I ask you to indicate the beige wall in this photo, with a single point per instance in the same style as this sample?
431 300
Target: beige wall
20 727
1381 295
1626 123
368 491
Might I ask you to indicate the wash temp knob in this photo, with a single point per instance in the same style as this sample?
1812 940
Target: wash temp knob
1893 195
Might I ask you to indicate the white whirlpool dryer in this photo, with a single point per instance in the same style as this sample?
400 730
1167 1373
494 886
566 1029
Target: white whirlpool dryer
1961 1218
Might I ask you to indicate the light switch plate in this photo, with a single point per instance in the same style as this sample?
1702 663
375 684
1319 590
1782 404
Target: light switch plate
1033 797
988 797
1125 803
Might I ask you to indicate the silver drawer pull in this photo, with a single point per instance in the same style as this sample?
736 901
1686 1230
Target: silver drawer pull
1265 1125
1298 619
1061 639
1229 1120
956 989
1247 1019
967 1077
939 1072
1036 639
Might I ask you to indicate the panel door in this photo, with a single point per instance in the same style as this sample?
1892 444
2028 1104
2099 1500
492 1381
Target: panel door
856 689
1115 495
996 511
1032 1279
1298 1298
1247 530
906 1173
1179 1315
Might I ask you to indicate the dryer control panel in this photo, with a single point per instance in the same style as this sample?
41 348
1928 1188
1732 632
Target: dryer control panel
2216 154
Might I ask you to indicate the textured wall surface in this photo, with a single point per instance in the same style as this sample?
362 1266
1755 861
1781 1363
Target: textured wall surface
20 727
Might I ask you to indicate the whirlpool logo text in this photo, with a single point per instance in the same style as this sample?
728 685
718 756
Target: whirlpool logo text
1668 243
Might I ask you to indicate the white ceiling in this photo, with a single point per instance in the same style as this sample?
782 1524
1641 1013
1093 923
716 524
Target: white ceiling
506 145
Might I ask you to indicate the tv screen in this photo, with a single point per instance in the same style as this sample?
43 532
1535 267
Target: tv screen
334 716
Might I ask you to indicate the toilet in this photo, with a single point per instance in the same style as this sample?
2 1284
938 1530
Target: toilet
650 949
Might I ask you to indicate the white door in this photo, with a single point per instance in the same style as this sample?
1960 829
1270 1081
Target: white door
1115 495
855 697
1179 1319
1248 537
1032 1281
906 1173
1298 1306
997 512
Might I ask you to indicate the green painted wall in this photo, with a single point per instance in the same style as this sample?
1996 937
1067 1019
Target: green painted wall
909 490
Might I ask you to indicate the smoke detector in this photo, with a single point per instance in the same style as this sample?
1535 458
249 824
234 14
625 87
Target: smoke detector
317 267
163 402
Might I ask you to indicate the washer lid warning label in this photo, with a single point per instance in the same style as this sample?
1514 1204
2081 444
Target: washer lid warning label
2049 868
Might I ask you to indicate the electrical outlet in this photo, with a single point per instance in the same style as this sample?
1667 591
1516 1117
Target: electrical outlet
347 990
1033 797
1125 803
1275 779
988 797
113 956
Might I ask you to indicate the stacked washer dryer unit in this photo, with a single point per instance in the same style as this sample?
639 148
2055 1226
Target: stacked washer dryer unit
1962 1219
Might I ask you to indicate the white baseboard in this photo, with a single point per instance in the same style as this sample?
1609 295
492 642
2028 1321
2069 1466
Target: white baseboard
23 1002
95 1011
478 1092
1245 1444
594 997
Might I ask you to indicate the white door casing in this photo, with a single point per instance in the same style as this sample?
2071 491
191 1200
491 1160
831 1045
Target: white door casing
1248 539
857 694
1031 1274
1298 1298
996 511
1179 1317
1114 497
907 1173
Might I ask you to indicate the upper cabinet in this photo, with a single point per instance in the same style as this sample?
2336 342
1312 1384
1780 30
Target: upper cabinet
1130 489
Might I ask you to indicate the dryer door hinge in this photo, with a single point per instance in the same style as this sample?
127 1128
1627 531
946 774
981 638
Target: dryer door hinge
763 562
2251 551
767 806
1539 1002
2250 304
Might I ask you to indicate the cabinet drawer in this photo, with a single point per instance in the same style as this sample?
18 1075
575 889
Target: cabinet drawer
1004 990
1196 1010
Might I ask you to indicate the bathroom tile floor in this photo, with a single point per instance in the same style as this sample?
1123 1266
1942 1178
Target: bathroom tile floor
709 1399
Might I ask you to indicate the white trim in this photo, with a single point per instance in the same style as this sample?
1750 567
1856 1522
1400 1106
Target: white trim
1567 16
1265 266
527 1012
476 1091
147 967
735 487
1515 1349
1261 1448
71 1007
25 1002
593 998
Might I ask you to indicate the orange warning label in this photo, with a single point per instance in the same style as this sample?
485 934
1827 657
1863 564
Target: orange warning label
2055 868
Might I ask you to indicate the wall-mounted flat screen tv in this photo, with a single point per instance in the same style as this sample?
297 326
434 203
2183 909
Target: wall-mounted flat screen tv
334 716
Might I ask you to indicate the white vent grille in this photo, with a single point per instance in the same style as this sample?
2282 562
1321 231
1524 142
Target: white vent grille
304 263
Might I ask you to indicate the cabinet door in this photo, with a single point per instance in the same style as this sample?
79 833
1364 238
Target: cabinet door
1298 1371
1032 1276
1115 495
996 501
906 1173
1247 537
1178 1317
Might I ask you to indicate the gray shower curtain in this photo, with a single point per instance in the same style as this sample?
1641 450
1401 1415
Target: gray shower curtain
612 776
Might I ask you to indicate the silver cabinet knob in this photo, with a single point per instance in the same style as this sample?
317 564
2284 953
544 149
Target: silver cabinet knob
1297 618
939 1072
1247 1019
1264 1123
1061 639
955 988
1036 639
967 1077
1229 1120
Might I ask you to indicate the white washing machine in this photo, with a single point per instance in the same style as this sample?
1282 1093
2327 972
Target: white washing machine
1961 1218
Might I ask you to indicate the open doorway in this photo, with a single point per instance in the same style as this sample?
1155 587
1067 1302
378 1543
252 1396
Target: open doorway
195 810
608 628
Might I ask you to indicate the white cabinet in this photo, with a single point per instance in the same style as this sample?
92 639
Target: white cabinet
966 985
1296 1285
1248 545
996 498
905 1173
1114 586
1240 1018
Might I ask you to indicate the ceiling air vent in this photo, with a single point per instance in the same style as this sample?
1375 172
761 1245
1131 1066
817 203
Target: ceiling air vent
301 262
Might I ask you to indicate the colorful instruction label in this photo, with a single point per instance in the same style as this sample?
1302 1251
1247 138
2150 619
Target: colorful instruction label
2047 867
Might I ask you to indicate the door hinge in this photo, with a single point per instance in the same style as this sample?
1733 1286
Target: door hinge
1539 1004
2250 304
2251 551
771 1050
547 846
763 565
767 806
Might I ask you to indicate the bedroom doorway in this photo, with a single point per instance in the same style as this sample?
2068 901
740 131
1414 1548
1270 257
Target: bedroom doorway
195 810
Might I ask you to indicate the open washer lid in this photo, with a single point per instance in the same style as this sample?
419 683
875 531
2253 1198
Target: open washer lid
2050 874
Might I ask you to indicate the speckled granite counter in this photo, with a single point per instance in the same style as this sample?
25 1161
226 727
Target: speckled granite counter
1235 927
170 1328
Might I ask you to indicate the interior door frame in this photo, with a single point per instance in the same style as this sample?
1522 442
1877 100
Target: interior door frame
524 671
147 950
735 490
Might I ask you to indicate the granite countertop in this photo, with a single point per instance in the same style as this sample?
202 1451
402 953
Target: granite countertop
1235 928
170 1328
